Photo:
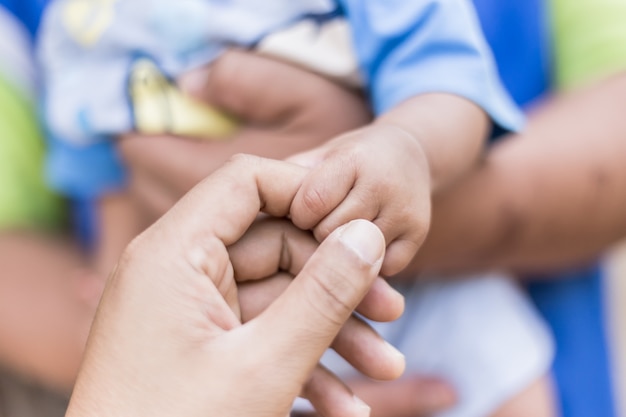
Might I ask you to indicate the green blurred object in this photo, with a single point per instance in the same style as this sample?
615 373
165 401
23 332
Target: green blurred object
25 202
594 30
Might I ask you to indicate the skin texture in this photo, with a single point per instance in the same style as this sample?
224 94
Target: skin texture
206 361
387 171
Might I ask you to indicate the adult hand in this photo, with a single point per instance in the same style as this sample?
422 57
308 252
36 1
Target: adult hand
284 110
277 249
412 396
167 339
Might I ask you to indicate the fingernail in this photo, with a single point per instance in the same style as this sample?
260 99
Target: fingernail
364 239
363 410
393 351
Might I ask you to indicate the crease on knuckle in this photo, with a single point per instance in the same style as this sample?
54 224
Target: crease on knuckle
333 306
209 257
315 203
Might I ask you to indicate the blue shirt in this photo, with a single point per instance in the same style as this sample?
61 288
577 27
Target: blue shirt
404 49
408 48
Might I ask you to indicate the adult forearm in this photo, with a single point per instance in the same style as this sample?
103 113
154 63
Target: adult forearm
551 197
44 320
450 129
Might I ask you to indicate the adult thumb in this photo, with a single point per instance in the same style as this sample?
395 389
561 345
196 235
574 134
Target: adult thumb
305 319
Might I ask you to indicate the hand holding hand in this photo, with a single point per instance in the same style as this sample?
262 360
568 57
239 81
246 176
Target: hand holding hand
379 173
168 340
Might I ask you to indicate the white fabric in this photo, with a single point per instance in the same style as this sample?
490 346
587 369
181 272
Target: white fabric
482 335
326 49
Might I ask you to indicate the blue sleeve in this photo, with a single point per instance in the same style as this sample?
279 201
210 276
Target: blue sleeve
27 11
407 48
84 172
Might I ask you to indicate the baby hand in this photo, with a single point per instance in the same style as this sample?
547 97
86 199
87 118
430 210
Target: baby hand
379 173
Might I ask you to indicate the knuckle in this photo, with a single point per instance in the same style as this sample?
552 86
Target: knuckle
315 203
329 298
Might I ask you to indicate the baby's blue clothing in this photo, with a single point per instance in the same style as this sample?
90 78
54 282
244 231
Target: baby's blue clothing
403 48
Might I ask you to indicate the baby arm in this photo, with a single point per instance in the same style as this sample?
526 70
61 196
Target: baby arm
432 80
387 171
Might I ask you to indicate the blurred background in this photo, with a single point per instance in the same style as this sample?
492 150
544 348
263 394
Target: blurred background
584 47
